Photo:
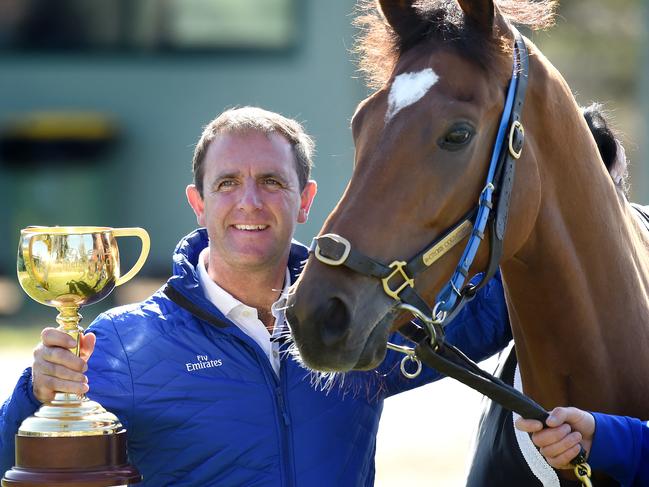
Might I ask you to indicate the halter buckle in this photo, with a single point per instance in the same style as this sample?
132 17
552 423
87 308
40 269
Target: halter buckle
398 266
337 239
516 137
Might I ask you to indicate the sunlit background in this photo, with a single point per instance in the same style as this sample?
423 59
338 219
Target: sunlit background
101 103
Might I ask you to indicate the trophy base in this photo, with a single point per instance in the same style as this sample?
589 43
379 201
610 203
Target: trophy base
70 415
86 461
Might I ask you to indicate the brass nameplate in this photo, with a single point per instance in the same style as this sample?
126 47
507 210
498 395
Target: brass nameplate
448 243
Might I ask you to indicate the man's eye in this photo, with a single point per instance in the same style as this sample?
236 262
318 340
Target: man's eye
272 182
225 184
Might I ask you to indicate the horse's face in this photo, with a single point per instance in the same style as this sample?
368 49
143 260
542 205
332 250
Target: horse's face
423 144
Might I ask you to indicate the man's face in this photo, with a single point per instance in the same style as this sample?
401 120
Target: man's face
251 200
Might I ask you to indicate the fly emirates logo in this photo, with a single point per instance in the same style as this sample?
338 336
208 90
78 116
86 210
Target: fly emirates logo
204 362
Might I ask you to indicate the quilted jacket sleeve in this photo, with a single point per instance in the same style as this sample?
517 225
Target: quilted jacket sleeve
621 449
18 407
109 372
480 330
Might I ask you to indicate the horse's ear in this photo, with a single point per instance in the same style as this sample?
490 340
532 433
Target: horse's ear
480 13
401 15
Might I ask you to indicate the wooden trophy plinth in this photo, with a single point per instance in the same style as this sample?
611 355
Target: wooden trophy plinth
74 461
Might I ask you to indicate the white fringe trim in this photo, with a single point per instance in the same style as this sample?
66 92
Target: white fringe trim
539 467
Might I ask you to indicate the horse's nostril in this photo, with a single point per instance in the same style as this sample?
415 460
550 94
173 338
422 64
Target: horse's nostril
334 321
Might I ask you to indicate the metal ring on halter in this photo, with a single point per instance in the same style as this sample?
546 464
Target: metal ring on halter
431 324
438 315
410 358
414 311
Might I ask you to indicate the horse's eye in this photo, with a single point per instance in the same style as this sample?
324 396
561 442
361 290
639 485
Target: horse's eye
457 137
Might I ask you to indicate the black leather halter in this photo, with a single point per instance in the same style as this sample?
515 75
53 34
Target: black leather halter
398 278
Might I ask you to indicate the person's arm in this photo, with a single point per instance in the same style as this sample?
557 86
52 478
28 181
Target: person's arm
54 369
617 445
20 405
621 449
480 330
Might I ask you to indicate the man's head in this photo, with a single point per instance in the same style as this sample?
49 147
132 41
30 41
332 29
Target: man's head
251 170
253 119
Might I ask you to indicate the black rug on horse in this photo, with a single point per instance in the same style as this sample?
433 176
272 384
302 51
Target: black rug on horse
497 460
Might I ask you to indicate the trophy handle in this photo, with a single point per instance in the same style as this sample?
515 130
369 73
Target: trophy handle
142 234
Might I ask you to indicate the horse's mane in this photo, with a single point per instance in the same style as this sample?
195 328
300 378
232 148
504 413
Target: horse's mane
378 46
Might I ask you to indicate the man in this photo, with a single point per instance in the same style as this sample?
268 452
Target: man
198 373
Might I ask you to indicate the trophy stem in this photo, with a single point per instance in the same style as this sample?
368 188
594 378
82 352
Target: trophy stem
68 320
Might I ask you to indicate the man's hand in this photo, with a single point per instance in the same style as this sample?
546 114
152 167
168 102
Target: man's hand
56 368
567 429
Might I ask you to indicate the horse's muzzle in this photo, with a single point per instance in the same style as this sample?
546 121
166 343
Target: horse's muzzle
321 331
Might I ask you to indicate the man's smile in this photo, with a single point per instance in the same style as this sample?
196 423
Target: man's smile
250 228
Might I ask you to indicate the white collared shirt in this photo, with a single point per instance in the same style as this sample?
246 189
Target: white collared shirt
244 316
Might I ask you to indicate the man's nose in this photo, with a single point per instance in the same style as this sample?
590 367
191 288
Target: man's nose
251 198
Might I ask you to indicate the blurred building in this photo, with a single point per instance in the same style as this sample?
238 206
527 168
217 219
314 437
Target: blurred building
102 103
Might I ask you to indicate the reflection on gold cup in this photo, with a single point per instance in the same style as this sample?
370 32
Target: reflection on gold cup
70 267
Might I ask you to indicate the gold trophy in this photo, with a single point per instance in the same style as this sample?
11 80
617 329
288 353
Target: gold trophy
72 441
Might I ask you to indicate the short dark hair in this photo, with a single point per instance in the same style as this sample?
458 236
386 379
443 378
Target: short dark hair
602 132
253 119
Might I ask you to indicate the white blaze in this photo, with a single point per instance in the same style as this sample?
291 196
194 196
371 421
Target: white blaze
407 88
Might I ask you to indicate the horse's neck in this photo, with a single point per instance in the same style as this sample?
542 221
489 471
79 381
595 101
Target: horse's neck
578 291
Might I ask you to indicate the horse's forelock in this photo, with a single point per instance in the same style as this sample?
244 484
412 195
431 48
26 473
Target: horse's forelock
378 46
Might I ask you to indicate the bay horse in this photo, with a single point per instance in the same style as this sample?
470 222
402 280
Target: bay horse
574 263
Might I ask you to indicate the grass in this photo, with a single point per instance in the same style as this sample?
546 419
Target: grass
16 338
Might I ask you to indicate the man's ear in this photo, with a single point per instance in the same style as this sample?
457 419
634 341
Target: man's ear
195 200
306 199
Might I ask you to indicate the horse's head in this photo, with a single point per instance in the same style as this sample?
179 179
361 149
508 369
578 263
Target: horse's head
423 143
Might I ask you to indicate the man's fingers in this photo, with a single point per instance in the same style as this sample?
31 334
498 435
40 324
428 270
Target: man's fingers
529 425
56 368
550 436
559 447
562 460
59 356
51 337
47 385
565 415
58 371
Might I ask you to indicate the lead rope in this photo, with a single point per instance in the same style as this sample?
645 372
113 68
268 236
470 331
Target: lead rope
437 354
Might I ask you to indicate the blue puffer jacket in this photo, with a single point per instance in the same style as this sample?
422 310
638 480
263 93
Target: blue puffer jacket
621 449
203 406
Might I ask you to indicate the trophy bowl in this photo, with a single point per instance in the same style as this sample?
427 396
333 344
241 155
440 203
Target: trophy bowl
70 267
72 440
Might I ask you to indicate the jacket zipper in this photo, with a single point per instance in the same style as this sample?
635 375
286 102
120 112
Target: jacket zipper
283 418
289 460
